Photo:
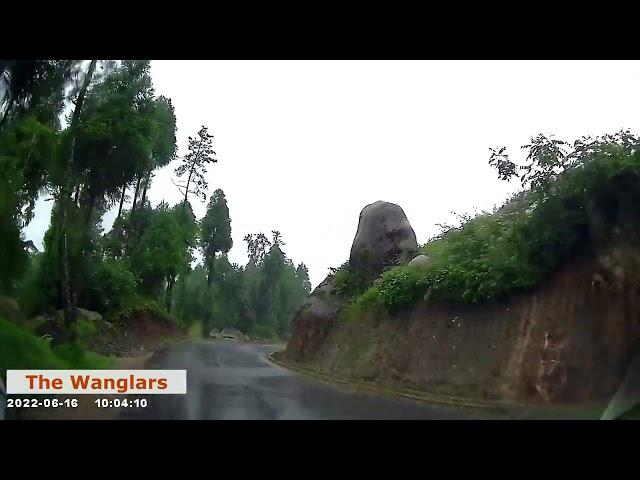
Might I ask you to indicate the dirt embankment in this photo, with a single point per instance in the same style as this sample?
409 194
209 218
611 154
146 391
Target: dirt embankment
141 332
567 341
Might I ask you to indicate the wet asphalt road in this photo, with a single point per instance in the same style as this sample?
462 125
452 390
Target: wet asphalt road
228 380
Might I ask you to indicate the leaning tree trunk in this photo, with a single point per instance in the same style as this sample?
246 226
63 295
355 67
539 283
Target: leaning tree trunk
135 195
89 209
186 191
168 297
7 111
124 191
70 311
207 316
144 190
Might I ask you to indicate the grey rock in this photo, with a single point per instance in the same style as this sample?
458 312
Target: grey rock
231 334
422 262
89 315
384 238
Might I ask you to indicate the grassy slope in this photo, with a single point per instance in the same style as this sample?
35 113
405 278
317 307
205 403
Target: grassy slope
21 349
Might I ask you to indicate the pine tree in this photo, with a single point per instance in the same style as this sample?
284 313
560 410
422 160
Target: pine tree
194 165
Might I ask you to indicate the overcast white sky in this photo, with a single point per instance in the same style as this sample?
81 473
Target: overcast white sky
303 146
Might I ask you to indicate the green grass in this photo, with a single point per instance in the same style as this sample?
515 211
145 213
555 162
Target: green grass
263 332
77 357
195 331
21 349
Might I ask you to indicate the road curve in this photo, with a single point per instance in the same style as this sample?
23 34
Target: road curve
232 380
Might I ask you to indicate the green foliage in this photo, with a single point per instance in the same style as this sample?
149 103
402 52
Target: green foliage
164 141
265 332
518 246
162 252
192 298
21 349
115 283
348 282
13 258
263 295
136 304
195 331
34 87
215 227
257 245
85 330
85 260
24 149
29 294
117 133
194 164
77 357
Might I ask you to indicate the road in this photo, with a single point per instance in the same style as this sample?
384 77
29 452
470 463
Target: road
233 380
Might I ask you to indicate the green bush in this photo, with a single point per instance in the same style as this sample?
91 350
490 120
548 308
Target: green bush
348 282
21 349
32 295
115 283
135 304
85 330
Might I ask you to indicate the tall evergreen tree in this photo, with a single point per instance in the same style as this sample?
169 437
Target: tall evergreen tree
215 236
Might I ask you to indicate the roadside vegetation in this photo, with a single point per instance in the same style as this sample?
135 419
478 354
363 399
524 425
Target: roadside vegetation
517 246
88 137
22 349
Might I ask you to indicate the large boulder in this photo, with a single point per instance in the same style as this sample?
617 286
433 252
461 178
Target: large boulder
384 237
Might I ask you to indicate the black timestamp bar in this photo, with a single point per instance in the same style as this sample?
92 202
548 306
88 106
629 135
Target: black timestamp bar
42 402
121 403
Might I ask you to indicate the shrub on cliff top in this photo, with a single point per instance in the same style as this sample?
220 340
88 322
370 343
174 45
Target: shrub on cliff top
348 282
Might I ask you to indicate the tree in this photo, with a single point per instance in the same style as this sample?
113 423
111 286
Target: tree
215 237
500 161
28 84
32 94
277 238
302 274
163 252
164 145
257 245
194 164
215 230
116 135
64 197
546 158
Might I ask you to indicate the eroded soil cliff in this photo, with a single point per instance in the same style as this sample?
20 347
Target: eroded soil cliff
568 340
